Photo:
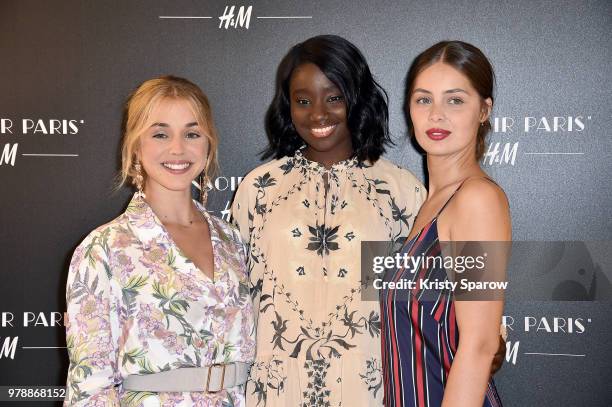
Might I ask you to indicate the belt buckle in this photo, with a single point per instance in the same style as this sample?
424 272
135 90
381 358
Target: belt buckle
210 369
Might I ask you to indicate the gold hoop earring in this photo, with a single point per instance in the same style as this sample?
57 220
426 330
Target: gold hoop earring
138 180
204 188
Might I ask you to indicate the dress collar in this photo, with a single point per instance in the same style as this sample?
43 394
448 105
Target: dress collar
147 226
300 161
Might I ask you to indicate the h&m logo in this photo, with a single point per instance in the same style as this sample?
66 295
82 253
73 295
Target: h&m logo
240 20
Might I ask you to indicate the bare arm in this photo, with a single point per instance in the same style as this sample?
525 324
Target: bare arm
479 213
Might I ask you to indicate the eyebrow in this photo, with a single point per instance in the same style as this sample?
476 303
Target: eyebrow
329 88
192 124
455 90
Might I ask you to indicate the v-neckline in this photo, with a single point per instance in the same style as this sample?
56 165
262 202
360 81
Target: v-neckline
213 235
212 232
418 234
435 218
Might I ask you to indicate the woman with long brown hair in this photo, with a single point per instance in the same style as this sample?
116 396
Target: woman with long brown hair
437 350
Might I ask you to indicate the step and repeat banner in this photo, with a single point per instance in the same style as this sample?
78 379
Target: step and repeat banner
67 67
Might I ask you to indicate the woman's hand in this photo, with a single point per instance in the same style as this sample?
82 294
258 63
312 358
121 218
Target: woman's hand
498 359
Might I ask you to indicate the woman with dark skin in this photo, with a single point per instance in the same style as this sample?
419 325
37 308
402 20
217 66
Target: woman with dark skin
304 216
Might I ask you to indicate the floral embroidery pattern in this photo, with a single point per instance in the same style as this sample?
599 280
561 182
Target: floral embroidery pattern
316 393
372 377
322 239
304 264
136 305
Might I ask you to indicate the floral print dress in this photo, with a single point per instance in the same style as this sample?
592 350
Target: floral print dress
137 305
318 343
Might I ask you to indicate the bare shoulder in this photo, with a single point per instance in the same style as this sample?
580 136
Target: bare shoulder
479 211
481 195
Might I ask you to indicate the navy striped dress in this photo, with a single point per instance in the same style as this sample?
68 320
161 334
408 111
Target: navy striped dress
420 335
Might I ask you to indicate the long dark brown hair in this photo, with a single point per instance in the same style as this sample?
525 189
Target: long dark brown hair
468 60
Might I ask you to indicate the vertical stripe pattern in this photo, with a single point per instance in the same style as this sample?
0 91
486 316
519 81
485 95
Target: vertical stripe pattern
419 332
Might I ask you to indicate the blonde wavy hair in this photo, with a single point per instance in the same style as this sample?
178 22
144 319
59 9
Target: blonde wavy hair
137 118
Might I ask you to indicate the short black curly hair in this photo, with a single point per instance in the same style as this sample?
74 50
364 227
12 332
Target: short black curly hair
346 67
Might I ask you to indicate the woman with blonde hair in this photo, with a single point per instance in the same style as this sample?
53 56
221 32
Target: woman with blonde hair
159 311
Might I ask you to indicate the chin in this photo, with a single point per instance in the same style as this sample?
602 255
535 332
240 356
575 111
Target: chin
438 148
433 149
174 186
322 145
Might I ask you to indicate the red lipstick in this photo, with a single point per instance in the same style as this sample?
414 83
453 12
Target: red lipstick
437 134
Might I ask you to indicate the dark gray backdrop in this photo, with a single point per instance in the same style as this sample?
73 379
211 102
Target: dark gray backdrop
74 60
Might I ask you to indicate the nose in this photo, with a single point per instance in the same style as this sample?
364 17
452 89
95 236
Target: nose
436 113
177 146
318 113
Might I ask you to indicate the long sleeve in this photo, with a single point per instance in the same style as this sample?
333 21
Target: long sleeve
317 340
408 196
138 306
242 218
92 325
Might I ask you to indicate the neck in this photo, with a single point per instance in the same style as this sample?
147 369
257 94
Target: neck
329 158
447 170
171 207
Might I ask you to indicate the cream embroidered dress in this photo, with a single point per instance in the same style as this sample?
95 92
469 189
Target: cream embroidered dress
318 344
136 305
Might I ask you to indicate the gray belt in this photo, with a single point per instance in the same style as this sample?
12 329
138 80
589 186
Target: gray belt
210 379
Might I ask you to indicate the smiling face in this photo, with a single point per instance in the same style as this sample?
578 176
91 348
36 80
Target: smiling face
173 149
446 111
318 113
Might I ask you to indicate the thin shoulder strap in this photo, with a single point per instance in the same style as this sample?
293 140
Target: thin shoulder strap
458 188
451 197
